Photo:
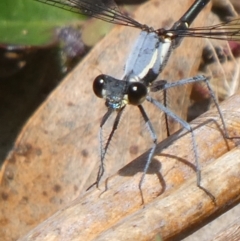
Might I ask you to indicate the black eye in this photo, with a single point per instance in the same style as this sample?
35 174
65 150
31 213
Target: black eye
98 85
136 93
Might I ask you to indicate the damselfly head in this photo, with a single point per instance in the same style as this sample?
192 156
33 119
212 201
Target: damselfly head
110 89
119 93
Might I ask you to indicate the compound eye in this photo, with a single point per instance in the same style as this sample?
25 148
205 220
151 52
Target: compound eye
98 85
136 93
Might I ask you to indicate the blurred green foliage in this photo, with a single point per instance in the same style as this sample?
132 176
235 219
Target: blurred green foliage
30 23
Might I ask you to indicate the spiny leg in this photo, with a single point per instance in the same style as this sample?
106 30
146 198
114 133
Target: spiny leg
152 151
188 128
201 78
103 149
157 86
165 115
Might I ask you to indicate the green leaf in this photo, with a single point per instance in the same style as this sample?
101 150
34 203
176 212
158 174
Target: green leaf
31 23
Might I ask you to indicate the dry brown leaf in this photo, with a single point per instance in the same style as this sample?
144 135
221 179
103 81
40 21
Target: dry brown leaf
117 214
56 155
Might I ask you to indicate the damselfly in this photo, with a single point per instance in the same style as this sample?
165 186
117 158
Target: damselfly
147 59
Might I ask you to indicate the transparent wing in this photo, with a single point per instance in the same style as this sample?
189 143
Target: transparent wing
106 10
229 31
